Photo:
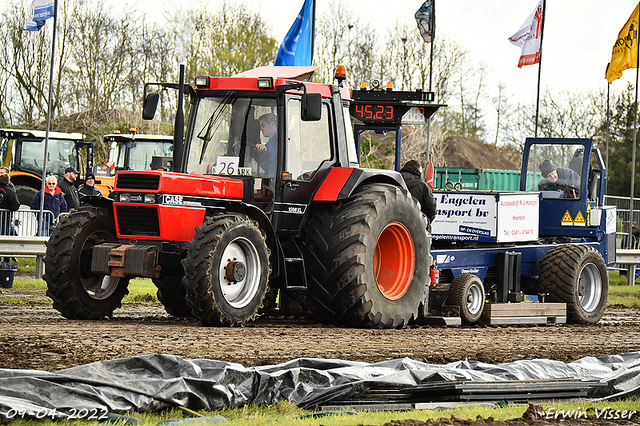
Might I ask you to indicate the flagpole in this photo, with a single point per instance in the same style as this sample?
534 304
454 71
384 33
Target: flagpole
607 135
46 138
433 40
313 28
544 14
633 149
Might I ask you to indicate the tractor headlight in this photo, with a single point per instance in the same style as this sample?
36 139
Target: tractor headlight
149 198
125 198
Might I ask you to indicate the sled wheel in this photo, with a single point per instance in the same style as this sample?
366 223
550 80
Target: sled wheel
576 275
76 292
467 292
367 259
171 294
226 270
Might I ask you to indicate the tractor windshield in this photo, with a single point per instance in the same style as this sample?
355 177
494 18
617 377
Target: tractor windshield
234 136
141 152
61 154
555 169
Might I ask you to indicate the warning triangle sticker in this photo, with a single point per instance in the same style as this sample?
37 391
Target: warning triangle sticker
567 220
579 219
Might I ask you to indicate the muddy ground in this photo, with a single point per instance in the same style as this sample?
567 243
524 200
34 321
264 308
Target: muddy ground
35 336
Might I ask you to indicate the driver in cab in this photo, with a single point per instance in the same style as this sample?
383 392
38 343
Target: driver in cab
559 178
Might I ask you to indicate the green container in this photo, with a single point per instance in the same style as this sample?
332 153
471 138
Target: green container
466 179
477 179
499 180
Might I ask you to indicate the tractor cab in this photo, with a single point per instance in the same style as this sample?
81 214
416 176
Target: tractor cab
24 152
568 173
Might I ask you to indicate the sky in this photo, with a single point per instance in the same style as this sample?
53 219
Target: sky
578 37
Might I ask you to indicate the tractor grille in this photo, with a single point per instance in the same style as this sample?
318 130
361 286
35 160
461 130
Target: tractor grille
137 181
138 220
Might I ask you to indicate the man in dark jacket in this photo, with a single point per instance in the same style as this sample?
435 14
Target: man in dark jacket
559 178
8 201
88 188
69 190
419 189
4 170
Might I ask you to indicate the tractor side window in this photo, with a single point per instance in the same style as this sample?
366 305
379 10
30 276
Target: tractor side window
308 142
351 142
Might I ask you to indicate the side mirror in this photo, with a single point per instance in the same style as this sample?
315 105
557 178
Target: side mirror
150 105
311 107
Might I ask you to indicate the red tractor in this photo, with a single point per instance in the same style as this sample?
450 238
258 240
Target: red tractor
248 218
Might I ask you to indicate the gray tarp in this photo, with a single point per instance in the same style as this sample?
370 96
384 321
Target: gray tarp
156 382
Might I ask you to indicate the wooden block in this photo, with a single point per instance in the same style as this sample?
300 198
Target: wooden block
443 321
525 309
536 320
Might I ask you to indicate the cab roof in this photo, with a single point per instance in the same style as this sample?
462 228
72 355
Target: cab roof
138 137
40 134
294 73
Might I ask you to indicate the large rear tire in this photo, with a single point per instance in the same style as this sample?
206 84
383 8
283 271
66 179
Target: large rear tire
25 194
226 270
76 292
576 275
368 259
467 292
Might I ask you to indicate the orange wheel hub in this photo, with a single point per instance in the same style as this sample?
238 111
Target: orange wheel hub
394 261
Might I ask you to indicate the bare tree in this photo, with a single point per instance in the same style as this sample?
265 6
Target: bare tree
26 60
503 111
102 46
229 41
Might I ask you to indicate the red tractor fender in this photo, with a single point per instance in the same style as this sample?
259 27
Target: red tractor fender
341 182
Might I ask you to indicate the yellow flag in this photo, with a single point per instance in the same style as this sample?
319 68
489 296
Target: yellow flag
625 51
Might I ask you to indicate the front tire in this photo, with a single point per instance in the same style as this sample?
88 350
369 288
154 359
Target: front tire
467 292
226 270
576 275
171 293
368 259
76 292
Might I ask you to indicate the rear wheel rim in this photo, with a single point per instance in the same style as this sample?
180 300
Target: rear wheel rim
239 294
474 299
99 287
394 261
589 287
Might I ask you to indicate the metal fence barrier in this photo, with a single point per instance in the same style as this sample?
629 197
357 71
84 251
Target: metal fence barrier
19 234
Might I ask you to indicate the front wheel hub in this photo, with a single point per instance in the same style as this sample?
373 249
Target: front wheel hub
235 271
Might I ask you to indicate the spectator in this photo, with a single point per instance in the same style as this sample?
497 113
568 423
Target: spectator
559 178
53 201
412 175
266 154
9 202
89 187
68 188
6 171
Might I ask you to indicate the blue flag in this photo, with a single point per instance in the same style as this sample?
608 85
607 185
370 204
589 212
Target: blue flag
297 47
40 11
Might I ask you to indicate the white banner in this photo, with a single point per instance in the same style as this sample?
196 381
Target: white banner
529 37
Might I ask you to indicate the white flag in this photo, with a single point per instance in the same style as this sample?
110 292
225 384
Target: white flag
529 37
40 11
